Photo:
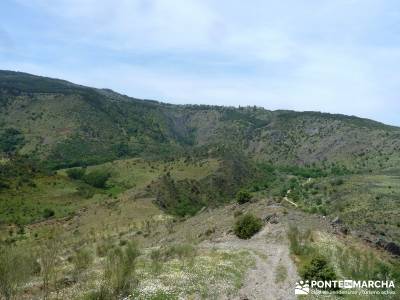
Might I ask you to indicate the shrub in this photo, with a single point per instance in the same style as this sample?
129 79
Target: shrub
11 140
97 178
119 274
48 213
294 240
237 213
15 268
299 242
243 197
246 226
82 260
102 294
318 269
182 252
86 191
49 257
103 247
337 181
156 257
76 173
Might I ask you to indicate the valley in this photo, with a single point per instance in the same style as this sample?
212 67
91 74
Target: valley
103 196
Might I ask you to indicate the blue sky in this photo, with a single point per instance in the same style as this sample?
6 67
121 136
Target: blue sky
339 56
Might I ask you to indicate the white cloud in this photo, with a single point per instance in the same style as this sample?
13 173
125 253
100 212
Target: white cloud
338 56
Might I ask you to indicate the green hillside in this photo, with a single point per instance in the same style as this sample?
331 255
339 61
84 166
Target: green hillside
88 177
68 125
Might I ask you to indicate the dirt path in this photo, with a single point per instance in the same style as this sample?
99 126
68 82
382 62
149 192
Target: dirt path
274 274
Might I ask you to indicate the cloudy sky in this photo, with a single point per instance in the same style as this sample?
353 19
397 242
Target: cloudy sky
339 56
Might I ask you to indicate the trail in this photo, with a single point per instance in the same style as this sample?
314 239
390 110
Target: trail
271 252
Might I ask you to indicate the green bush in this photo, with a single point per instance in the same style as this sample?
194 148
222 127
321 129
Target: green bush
97 178
318 269
76 173
48 213
11 140
243 197
119 274
246 226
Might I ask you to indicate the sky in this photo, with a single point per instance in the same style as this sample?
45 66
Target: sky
338 56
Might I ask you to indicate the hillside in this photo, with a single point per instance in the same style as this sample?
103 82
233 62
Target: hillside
69 125
104 196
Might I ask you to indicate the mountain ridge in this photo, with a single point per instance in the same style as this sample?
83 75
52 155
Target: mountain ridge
7 76
77 125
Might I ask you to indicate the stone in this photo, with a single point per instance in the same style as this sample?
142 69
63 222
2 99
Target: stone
393 248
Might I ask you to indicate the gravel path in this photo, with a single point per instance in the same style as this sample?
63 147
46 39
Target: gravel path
274 274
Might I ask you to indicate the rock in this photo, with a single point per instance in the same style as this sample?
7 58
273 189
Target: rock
336 221
269 217
344 230
393 248
380 242
67 281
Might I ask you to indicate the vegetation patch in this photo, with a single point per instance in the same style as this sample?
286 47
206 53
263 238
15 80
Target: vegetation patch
247 225
208 275
320 256
97 178
243 196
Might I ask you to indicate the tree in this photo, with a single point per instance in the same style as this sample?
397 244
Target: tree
318 269
76 173
97 178
10 140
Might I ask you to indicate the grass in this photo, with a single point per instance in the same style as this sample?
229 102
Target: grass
63 196
28 204
355 179
280 273
138 173
211 274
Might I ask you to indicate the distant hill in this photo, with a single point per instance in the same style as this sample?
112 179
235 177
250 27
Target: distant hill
65 124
